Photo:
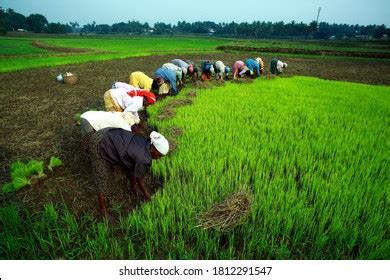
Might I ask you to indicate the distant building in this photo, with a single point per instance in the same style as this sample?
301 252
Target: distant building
211 31
363 37
21 30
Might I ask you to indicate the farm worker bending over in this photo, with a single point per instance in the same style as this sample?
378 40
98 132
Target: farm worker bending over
253 66
98 120
207 70
261 63
178 70
238 67
277 66
92 121
140 80
133 153
188 69
195 69
120 99
221 70
163 77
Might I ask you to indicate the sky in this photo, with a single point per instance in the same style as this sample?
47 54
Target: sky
362 12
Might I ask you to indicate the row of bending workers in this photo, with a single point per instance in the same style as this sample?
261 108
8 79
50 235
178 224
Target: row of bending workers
116 136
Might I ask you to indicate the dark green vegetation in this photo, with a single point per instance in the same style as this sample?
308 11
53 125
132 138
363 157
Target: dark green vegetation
313 154
11 20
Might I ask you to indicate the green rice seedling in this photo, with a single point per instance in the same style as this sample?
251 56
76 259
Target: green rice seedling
54 162
20 182
35 167
22 174
16 184
8 187
18 169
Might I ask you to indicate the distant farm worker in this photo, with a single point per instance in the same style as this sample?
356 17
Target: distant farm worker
92 121
195 74
277 66
238 67
165 76
253 66
188 69
123 100
261 63
207 70
140 80
133 153
221 70
178 70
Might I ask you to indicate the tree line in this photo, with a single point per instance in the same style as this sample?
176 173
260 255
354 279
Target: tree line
13 21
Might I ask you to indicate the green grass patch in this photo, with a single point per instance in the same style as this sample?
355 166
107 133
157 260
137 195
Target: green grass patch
19 46
23 63
313 152
106 48
139 44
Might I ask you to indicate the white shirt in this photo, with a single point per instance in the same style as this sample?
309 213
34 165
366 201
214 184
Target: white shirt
125 86
220 68
125 101
177 69
101 119
279 66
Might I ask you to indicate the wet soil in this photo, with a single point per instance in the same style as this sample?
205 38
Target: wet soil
38 121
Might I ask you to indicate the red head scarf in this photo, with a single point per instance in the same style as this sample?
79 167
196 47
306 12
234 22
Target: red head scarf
150 97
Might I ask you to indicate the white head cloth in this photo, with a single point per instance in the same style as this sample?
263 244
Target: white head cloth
160 142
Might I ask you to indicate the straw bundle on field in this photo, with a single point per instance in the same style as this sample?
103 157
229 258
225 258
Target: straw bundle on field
227 214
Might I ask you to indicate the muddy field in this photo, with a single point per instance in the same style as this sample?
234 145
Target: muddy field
38 120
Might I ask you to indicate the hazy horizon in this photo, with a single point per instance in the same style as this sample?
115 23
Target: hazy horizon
362 12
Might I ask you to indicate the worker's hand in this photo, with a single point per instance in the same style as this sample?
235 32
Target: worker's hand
141 185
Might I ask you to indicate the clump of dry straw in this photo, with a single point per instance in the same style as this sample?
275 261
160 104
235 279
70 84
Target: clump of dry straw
228 213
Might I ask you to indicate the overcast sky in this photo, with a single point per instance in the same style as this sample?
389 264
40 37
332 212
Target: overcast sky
361 12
